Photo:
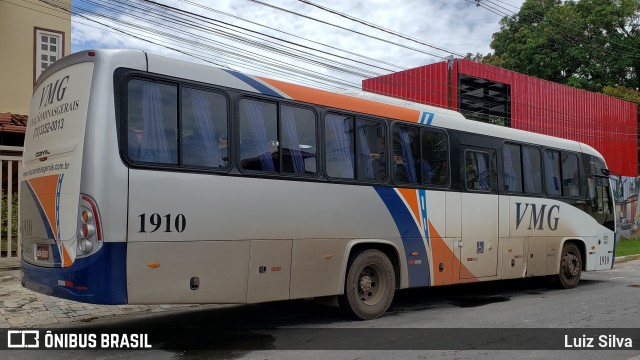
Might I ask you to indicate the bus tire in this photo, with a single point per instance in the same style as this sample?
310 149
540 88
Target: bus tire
369 285
570 266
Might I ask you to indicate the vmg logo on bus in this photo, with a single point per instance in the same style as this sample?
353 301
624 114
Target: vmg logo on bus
539 216
54 91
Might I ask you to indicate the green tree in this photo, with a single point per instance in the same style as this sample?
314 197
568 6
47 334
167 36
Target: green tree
587 44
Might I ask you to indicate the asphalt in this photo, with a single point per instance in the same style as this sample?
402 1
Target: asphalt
23 308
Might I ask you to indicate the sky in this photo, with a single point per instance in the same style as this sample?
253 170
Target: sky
347 54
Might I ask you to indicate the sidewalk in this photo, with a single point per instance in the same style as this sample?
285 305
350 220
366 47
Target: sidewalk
23 308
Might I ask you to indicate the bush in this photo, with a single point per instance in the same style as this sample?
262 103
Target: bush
14 222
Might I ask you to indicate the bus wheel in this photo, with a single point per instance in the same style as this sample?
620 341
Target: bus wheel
570 266
369 286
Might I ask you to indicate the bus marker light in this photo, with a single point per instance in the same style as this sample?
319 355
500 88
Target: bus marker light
593 248
91 53
415 253
153 265
327 257
65 283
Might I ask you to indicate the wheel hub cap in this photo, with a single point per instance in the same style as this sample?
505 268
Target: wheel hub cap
572 264
365 283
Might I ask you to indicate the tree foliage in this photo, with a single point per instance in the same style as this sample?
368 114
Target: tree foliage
589 44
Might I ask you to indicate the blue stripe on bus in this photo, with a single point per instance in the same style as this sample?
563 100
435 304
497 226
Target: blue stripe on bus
55 251
431 115
424 120
262 88
422 198
419 274
101 277
422 117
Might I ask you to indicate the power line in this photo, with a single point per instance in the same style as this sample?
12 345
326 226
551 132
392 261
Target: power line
419 89
377 27
346 29
296 36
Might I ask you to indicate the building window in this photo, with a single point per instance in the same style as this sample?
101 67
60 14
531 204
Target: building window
49 47
484 100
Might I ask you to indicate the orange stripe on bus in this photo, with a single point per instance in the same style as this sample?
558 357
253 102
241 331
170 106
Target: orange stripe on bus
326 98
45 189
411 197
453 268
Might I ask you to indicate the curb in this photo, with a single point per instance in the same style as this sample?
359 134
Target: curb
620 259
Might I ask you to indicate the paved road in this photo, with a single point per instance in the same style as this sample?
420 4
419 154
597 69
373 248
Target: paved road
609 299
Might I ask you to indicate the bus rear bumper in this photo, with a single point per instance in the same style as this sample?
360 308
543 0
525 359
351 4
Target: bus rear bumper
97 279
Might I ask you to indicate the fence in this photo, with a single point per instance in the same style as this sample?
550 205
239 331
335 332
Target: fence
11 175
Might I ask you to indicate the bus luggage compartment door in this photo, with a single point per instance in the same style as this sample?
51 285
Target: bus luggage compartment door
269 270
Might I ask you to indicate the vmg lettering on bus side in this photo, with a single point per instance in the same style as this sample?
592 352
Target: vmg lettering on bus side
537 216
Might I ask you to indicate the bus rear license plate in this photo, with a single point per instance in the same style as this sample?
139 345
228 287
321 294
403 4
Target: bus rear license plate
42 253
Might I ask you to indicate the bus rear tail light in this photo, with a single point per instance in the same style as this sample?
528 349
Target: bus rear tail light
89 233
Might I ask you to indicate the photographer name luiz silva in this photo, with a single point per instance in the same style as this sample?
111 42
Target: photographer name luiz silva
601 342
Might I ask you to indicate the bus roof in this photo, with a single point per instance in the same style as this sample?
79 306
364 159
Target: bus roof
356 101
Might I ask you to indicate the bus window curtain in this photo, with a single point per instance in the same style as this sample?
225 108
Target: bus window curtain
206 132
511 179
154 146
365 153
407 156
529 173
551 180
290 140
339 126
259 132
483 172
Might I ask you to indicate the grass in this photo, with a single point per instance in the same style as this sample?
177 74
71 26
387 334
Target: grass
628 247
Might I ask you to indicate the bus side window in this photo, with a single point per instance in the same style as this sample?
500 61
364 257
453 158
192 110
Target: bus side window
406 154
552 172
298 140
204 128
370 147
435 151
339 147
259 146
152 122
532 170
478 171
512 168
570 175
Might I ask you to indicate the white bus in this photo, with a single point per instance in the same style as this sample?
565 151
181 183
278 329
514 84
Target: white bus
154 180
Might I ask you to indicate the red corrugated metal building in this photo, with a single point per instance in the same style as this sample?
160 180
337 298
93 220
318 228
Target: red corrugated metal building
492 94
